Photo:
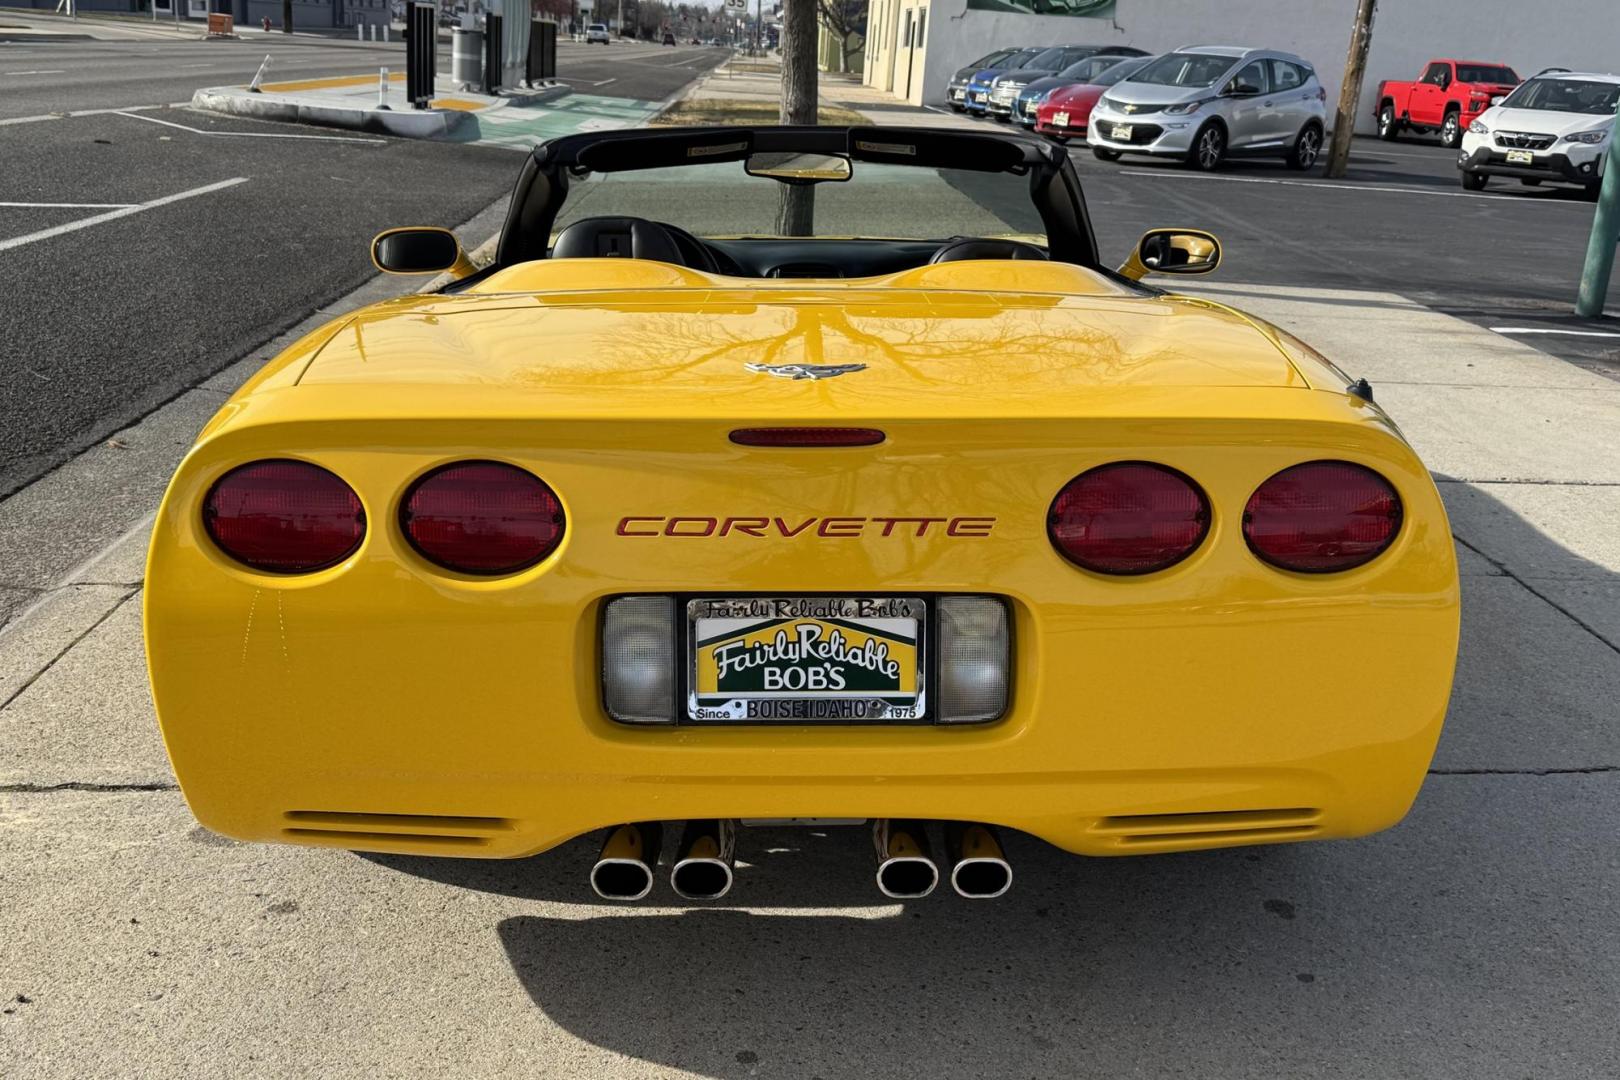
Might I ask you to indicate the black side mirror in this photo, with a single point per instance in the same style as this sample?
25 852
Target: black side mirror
419 250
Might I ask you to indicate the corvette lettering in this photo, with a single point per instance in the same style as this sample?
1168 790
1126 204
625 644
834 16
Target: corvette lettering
831 528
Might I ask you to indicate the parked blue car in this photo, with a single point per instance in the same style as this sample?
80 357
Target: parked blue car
978 89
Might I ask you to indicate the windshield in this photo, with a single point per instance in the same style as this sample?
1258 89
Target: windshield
1566 96
1184 69
1088 69
1019 59
991 59
1050 60
1121 71
898 201
1486 73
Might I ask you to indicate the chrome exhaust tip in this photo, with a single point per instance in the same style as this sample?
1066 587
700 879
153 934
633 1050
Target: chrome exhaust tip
906 870
979 866
624 869
704 860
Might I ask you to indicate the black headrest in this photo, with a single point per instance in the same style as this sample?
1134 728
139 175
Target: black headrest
975 247
617 237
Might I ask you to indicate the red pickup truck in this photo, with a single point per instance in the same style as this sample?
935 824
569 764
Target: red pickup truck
1447 98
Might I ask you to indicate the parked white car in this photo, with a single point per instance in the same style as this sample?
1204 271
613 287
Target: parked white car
1555 127
1205 103
597 32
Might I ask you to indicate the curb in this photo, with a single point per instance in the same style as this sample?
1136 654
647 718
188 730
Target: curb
410 124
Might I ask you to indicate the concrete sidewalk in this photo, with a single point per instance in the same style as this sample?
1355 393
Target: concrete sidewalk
1480 938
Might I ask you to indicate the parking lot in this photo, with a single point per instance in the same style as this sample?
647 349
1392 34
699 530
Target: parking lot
1479 938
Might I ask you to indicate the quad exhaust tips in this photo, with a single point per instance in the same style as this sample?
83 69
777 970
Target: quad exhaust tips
624 869
704 860
979 867
906 870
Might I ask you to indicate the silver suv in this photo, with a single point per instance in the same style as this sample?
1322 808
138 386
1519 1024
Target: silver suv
1205 103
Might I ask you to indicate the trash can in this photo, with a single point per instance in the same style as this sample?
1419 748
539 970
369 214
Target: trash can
466 58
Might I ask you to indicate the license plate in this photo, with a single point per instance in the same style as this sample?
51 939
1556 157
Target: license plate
1060 119
1521 157
957 94
976 97
1122 132
806 659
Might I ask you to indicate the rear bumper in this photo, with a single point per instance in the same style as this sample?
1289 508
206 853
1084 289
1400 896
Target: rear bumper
383 705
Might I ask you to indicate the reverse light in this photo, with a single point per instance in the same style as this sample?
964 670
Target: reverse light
482 517
284 517
974 653
638 659
1129 517
1478 128
1322 517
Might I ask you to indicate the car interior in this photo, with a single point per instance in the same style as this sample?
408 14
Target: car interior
542 189
772 257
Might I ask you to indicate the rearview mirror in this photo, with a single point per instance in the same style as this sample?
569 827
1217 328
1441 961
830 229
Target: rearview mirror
792 167
1173 251
419 250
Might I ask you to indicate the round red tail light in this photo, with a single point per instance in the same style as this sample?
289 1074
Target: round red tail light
285 517
482 517
1130 517
1322 517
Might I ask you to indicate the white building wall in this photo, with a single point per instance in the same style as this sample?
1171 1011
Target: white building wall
1578 34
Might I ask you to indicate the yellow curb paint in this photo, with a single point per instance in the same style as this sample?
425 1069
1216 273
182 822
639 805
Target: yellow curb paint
327 84
457 104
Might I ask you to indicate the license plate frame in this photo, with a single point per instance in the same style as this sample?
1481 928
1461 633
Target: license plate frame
858 637
1520 157
1122 132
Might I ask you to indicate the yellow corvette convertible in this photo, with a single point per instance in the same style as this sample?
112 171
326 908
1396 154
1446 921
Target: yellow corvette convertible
800 475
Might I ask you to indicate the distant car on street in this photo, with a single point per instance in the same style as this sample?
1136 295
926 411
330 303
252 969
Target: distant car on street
597 32
1555 127
669 39
1083 71
1065 112
1449 96
1205 103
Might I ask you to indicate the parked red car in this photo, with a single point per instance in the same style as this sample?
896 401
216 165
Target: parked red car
1446 99
1067 110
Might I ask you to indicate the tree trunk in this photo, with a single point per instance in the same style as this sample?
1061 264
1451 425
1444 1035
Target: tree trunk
1355 67
799 97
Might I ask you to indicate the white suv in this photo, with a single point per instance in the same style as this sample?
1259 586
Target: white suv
1205 103
1556 127
597 32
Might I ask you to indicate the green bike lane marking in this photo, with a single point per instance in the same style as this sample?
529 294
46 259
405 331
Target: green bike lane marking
526 126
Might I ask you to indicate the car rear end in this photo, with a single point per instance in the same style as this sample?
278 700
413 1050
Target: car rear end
1177 605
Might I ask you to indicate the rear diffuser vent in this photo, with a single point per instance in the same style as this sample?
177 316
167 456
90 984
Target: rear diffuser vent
1224 828
385 830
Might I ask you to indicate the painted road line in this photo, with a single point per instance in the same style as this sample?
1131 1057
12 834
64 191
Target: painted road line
81 112
253 134
1324 185
70 205
59 71
114 215
1535 330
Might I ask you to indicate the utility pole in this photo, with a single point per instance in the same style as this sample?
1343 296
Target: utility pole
1605 234
1355 67
800 97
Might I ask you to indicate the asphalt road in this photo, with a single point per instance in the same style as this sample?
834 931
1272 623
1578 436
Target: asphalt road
122 315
